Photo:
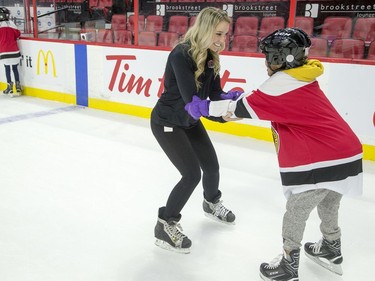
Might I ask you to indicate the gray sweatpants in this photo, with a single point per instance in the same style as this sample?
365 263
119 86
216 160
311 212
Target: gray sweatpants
298 209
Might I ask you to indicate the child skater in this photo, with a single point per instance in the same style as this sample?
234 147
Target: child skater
320 157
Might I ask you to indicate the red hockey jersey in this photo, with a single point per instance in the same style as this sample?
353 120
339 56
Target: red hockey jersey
316 147
9 51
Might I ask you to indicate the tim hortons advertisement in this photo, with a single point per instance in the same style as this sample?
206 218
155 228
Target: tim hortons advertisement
129 78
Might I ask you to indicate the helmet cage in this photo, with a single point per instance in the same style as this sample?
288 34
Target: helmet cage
286 47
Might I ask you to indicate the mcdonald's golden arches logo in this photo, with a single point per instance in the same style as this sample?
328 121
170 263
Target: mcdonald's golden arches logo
45 57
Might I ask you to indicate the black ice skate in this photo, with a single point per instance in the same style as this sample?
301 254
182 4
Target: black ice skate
18 90
169 236
9 89
283 268
326 254
218 212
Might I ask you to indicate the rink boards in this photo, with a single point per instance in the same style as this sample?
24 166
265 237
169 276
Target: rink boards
130 80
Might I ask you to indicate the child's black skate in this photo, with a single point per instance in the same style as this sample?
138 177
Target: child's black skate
218 212
283 268
326 254
169 236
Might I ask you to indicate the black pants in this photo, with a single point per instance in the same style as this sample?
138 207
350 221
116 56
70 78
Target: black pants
190 151
15 72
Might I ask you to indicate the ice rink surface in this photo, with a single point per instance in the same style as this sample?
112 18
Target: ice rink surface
80 189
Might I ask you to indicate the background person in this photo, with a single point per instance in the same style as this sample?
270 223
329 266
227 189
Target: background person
9 51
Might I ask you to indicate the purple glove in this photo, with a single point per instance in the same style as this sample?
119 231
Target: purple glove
231 95
197 107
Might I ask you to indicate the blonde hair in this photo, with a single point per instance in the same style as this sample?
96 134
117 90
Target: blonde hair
199 36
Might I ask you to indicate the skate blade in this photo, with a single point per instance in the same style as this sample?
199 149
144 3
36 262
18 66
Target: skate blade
15 95
335 268
164 245
270 279
217 219
264 277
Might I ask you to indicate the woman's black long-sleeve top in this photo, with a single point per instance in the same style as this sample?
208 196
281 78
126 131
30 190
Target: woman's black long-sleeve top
179 88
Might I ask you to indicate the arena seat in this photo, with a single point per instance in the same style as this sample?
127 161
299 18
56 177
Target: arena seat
118 21
245 43
336 28
269 25
319 47
347 48
305 23
167 39
141 23
246 26
178 24
147 38
364 29
122 36
154 23
104 35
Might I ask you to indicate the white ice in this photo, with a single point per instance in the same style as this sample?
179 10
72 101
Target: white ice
80 189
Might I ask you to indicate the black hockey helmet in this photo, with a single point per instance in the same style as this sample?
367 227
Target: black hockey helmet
4 14
287 47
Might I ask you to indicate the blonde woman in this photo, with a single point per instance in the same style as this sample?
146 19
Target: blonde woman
192 69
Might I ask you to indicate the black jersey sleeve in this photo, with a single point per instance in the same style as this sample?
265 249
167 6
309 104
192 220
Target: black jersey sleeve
241 111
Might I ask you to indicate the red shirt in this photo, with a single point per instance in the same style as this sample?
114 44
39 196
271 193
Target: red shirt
8 40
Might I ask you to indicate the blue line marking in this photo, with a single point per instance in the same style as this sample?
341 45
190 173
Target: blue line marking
82 92
21 117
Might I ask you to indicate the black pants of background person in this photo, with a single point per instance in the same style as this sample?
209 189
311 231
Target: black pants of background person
8 72
191 151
